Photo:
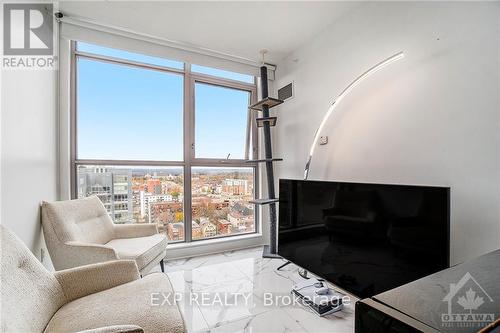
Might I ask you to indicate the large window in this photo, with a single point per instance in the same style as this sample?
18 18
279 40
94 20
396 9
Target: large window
160 143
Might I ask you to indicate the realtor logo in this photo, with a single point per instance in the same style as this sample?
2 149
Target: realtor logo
465 299
28 40
27 29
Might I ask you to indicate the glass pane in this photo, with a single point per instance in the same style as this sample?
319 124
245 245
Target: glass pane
220 201
115 53
128 113
138 195
220 121
222 73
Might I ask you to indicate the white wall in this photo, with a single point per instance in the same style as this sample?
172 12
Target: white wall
28 152
432 118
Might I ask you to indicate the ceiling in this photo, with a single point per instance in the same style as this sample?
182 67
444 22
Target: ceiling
237 28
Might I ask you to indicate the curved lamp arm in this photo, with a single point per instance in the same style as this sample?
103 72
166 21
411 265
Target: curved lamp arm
351 86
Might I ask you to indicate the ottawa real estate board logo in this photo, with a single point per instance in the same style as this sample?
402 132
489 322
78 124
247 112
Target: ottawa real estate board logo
467 305
28 36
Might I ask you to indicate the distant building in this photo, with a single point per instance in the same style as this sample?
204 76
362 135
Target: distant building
208 229
196 230
164 213
219 203
224 227
154 186
235 186
241 217
169 186
112 186
240 223
147 198
218 189
175 231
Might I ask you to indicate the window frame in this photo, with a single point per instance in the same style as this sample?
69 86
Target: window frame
189 160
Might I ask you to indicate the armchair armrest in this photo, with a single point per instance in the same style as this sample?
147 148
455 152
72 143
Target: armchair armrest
85 280
115 329
79 254
134 230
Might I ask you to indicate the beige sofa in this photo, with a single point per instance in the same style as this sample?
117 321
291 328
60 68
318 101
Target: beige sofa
80 232
98 298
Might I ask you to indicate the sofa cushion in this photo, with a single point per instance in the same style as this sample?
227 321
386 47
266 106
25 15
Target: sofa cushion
127 304
142 249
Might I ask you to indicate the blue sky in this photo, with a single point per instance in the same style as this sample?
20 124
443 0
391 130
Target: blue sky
221 118
137 114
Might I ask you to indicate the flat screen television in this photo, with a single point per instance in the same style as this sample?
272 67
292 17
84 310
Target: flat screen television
364 238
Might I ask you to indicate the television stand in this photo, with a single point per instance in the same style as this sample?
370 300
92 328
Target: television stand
302 272
285 264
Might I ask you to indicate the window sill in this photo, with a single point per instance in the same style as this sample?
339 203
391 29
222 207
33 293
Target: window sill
213 241
210 246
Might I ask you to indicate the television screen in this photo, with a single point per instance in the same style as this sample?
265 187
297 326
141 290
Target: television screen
364 238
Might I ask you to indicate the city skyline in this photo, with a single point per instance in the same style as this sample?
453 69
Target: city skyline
220 198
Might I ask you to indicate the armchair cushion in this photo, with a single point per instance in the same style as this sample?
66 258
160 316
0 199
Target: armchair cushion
82 281
127 304
142 249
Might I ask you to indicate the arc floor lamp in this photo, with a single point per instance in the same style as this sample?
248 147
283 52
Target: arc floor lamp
332 107
336 102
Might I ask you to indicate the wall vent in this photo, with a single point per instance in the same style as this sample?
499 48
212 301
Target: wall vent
286 92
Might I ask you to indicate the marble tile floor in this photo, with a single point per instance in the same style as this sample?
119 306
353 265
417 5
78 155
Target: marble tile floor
239 291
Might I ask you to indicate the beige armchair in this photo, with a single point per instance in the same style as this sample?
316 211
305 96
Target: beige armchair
99 298
80 232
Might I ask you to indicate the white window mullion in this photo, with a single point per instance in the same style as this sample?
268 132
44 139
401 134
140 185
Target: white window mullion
188 151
